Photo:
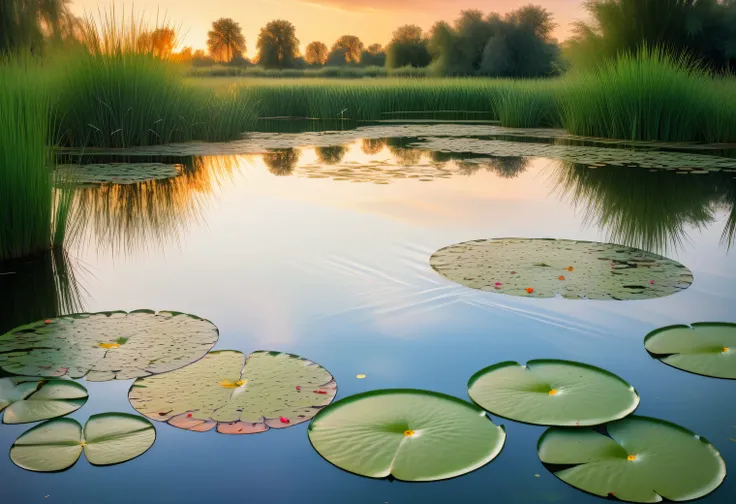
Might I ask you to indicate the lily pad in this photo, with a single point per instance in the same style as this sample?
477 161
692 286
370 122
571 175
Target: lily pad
25 400
545 268
637 459
108 345
118 173
411 435
107 439
552 392
235 394
705 348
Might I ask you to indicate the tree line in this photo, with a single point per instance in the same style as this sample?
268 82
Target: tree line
517 44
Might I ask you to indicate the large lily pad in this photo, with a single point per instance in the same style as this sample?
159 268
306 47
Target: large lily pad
110 438
238 395
117 173
545 268
25 400
705 348
552 392
108 345
637 459
412 435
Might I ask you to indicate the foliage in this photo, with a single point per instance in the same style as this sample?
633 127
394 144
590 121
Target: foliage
26 24
225 40
277 45
374 55
517 45
32 212
316 53
350 47
703 29
408 47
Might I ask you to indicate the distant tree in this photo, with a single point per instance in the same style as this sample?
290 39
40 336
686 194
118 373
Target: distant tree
316 53
281 162
351 45
408 47
163 41
225 40
373 55
337 57
277 45
372 146
442 46
200 59
185 55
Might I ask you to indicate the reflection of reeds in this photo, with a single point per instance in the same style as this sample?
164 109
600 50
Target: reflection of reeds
728 201
641 208
504 167
135 216
36 288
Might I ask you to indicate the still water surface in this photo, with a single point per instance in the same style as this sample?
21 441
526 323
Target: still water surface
284 251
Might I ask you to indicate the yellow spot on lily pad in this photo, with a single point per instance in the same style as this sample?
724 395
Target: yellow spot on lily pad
231 384
725 349
360 376
109 346
409 433
631 458
553 392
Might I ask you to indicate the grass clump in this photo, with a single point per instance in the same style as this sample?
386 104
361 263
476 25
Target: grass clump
527 104
648 95
33 213
117 92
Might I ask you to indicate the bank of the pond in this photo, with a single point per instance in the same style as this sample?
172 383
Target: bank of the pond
648 96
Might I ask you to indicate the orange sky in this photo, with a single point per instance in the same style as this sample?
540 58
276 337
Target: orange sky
325 20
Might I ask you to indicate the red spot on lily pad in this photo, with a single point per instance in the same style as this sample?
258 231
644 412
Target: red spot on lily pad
284 419
47 321
189 415
320 392
529 290
298 388
651 282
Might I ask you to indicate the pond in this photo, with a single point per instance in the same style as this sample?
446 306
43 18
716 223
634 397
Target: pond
319 244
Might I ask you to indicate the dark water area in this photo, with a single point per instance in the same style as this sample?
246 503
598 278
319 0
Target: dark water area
324 252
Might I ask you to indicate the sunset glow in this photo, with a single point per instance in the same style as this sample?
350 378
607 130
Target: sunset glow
325 20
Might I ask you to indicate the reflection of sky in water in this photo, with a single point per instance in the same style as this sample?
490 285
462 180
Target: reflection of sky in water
339 272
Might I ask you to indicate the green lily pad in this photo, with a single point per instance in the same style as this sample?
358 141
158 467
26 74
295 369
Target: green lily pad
552 392
544 268
25 400
637 459
238 395
108 345
412 435
117 173
107 439
705 348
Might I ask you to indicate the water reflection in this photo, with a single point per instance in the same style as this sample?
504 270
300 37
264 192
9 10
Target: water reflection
331 155
281 162
648 209
38 287
504 167
125 218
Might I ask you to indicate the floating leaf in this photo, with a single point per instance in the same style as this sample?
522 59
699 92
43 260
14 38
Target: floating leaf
259 392
117 173
552 392
637 459
108 345
109 438
705 348
520 262
412 435
26 400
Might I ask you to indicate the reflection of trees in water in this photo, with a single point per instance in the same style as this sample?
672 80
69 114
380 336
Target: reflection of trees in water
405 155
647 209
281 162
331 155
372 146
728 203
135 216
36 288
506 167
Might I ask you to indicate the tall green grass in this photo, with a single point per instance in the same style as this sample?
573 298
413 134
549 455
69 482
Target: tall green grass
33 213
528 104
114 92
650 95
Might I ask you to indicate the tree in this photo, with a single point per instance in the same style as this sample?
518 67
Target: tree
352 46
225 40
316 53
28 23
373 55
408 47
281 162
277 45
163 41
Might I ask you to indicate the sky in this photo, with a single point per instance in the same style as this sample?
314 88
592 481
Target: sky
324 20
